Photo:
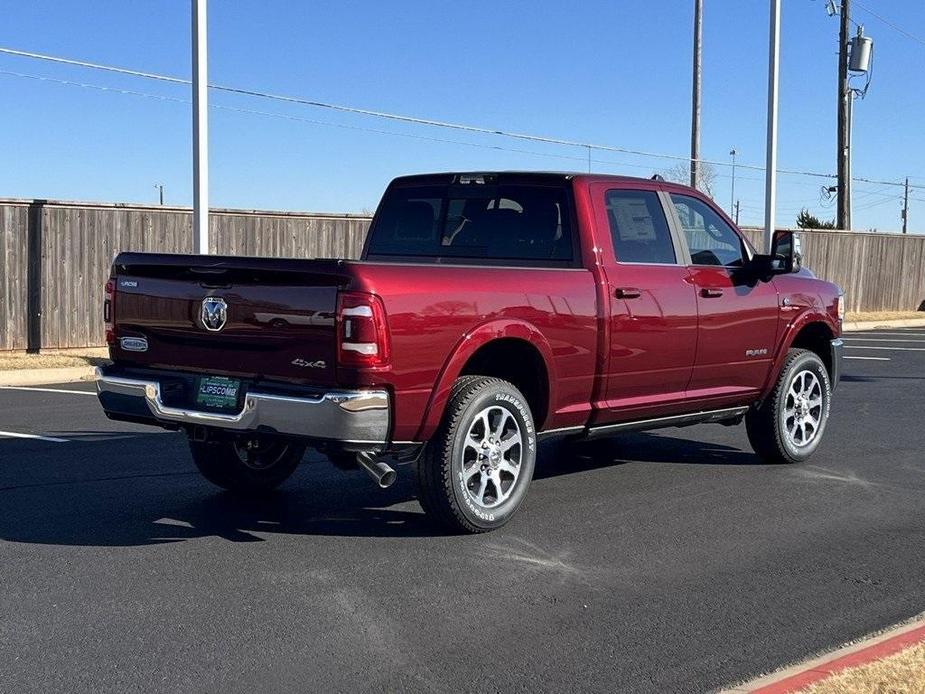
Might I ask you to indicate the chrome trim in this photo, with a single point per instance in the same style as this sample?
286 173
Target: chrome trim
341 415
838 348
674 420
561 431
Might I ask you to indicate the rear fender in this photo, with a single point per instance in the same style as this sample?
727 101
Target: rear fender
468 345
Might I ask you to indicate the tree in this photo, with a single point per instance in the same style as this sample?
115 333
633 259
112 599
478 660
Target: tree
681 173
807 220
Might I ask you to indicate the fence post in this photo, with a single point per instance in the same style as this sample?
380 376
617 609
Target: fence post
34 276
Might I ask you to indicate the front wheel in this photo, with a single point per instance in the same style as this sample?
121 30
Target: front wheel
474 473
788 426
247 465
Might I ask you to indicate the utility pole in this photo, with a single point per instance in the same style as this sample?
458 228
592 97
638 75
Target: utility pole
770 188
695 96
906 208
200 128
160 190
845 97
732 197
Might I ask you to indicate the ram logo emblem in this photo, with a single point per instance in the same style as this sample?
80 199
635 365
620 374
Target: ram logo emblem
214 313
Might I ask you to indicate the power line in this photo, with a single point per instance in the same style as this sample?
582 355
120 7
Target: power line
890 24
400 117
392 116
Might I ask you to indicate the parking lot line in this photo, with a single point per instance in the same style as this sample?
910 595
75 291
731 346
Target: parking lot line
878 339
895 349
17 435
50 390
871 358
878 334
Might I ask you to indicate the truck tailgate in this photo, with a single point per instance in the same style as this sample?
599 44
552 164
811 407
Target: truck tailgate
256 318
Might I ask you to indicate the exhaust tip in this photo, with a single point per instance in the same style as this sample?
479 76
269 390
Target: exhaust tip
388 478
382 473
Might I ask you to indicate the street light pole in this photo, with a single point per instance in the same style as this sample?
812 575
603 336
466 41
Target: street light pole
732 198
200 128
770 194
695 95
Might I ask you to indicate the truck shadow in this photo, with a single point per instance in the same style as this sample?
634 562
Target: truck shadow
568 458
144 490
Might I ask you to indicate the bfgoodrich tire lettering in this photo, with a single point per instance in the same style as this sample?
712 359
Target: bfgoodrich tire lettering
788 426
475 472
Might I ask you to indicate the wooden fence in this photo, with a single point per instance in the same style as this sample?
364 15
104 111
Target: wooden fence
55 257
877 271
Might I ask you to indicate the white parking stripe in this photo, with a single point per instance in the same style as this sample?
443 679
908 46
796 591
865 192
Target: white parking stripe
877 339
895 349
50 390
871 358
878 334
16 435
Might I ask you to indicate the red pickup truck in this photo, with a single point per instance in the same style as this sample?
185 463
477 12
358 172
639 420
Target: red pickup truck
488 310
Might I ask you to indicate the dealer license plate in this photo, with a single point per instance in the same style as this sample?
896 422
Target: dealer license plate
218 392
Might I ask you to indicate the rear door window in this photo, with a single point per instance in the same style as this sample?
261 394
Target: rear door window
504 223
639 228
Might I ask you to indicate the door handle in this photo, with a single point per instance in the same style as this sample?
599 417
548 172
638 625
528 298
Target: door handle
711 293
627 293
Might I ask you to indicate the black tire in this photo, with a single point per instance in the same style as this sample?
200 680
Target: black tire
233 466
769 425
446 471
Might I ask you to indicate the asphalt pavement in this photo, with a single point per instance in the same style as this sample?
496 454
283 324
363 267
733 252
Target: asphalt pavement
652 562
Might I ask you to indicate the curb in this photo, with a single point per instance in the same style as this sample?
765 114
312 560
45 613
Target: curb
797 677
37 377
875 324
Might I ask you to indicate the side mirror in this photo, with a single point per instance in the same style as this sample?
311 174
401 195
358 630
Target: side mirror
786 252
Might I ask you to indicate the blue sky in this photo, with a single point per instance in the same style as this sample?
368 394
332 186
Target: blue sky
603 71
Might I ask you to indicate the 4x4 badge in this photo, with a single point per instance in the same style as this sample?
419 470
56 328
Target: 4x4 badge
214 313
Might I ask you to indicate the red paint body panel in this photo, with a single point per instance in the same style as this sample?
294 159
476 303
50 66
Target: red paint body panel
666 351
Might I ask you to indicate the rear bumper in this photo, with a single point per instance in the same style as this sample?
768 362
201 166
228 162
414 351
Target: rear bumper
345 416
838 347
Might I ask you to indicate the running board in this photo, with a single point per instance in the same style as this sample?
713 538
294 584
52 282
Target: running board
679 420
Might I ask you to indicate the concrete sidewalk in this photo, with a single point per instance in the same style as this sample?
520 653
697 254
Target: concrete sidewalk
38 377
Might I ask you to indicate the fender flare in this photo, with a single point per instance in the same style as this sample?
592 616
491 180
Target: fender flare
807 317
468 345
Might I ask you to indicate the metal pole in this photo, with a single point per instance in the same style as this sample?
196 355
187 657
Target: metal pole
770 194
200 129
906 208
737 213
695 96
843 220
732 197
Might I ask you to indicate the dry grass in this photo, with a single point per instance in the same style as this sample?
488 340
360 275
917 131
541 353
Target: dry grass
882 315
901 673
57 360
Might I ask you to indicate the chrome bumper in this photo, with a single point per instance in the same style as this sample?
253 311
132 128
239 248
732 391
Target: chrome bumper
838 347
348 416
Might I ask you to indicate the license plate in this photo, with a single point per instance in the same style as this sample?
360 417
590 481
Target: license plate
218 392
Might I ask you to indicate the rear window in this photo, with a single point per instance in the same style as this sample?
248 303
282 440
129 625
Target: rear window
503 223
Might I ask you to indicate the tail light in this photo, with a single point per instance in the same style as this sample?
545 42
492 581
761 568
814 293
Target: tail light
362 332
109 307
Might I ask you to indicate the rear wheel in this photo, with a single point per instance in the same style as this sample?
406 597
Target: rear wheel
788 426
247 464
475 472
